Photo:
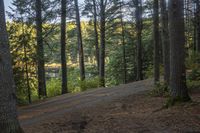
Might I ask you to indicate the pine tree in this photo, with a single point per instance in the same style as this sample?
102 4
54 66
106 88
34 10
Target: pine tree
8 112
40 51
138 16
156 41
178 88
96 33
198 24
80 42
165 40
123 42
63 46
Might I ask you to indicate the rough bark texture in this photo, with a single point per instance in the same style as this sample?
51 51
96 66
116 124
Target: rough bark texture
178 86
123 44
8 113
195 33
40 51
138 15
102 47
96 35
156 41
80 42
165 40
27 75
63 46
198 24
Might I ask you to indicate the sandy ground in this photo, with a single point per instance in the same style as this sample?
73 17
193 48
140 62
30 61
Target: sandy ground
134 113
58 106
122 109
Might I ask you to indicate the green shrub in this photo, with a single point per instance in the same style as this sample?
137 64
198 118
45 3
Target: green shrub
53 87
193 85
193 61
149 72
34 96
89 84
194 74
161 89
193 66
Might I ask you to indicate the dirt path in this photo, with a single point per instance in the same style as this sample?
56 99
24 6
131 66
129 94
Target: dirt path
58 106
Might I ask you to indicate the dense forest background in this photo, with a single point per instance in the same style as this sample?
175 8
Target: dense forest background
55 47
129 44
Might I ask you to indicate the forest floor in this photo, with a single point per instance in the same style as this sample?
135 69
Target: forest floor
122 109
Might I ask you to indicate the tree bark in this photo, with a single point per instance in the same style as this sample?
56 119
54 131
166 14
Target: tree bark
96 35
198 25
27 75
63 46
8 112
40 51
80 42
26 66
102 49
138 15
123 44
165 40
178 88
156 41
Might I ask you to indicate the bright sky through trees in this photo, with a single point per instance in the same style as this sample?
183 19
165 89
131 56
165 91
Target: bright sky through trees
7 4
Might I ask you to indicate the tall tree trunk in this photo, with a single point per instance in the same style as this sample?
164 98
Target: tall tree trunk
123 44
195 32
27 74
26 66
8 113
178 86
63 46
96 34
198 25
138 15
80 42
156 41
40 51
165 40
102 47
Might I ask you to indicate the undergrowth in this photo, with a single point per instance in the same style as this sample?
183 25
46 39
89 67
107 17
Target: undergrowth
160 90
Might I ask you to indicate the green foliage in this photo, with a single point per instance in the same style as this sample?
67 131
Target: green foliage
193 85
160 90
22 35
149 72
114 68
147 48
89 84
193 65
193 73
53 87
23 52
